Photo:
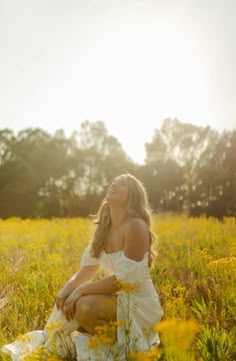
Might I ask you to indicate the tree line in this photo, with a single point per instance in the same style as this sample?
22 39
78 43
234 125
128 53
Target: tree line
187 168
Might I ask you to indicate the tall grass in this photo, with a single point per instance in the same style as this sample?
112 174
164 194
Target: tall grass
194 274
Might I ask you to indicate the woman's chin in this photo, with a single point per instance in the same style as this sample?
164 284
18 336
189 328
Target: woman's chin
112 200
109 199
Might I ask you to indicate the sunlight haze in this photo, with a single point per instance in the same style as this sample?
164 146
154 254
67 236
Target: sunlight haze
128 63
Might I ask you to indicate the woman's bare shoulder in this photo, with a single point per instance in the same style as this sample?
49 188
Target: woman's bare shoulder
136 238
136 224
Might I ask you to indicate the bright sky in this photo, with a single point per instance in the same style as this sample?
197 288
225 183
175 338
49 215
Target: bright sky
129 63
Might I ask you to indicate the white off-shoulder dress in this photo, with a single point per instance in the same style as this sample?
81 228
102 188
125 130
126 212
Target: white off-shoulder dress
138 311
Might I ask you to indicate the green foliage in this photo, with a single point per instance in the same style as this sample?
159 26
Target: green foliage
217 344
187 169
45 175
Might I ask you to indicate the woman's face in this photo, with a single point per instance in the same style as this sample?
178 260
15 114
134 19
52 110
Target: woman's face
118 192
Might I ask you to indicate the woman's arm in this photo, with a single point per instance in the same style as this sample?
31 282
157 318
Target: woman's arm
136 244
106 285
84 275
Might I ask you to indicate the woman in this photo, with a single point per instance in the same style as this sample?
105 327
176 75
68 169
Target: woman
122 247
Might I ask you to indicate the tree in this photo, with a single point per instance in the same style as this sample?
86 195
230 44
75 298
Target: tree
33 161
216 175
173 155
102 157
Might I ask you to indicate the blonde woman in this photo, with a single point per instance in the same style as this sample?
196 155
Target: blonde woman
122 247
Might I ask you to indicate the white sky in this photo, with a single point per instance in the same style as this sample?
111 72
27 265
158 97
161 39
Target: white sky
129 63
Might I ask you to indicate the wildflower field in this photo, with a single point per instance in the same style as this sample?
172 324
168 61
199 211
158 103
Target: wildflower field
194 273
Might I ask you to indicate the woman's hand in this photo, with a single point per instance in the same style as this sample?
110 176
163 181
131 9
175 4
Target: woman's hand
63 295
69 304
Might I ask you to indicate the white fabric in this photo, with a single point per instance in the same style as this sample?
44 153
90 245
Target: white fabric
87 259
139 310
52 339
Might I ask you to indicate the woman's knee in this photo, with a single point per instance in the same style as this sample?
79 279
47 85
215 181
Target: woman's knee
96 307
84 307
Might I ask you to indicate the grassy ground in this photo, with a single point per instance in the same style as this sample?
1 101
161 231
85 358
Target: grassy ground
194 274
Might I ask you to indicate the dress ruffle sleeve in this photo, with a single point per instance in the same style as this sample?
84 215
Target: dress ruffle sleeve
87 259
131 271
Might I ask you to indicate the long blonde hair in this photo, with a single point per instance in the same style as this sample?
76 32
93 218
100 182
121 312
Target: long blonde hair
137 206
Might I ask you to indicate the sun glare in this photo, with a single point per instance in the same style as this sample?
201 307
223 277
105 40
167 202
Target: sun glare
137 76
149 63
141 75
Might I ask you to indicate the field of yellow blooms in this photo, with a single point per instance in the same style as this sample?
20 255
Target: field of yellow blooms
194 273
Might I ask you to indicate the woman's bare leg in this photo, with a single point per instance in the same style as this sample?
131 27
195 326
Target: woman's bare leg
94 310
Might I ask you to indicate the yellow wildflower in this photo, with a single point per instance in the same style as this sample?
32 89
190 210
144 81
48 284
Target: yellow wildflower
23 338
177 333
53 326
145 355
40 354
127 287
105 335
227 263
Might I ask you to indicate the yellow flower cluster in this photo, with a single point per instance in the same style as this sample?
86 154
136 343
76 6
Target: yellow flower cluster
179 290
53 326
151 355
178 333
227 263
23 338
105 335
127 287
196 261
41 354
202 252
